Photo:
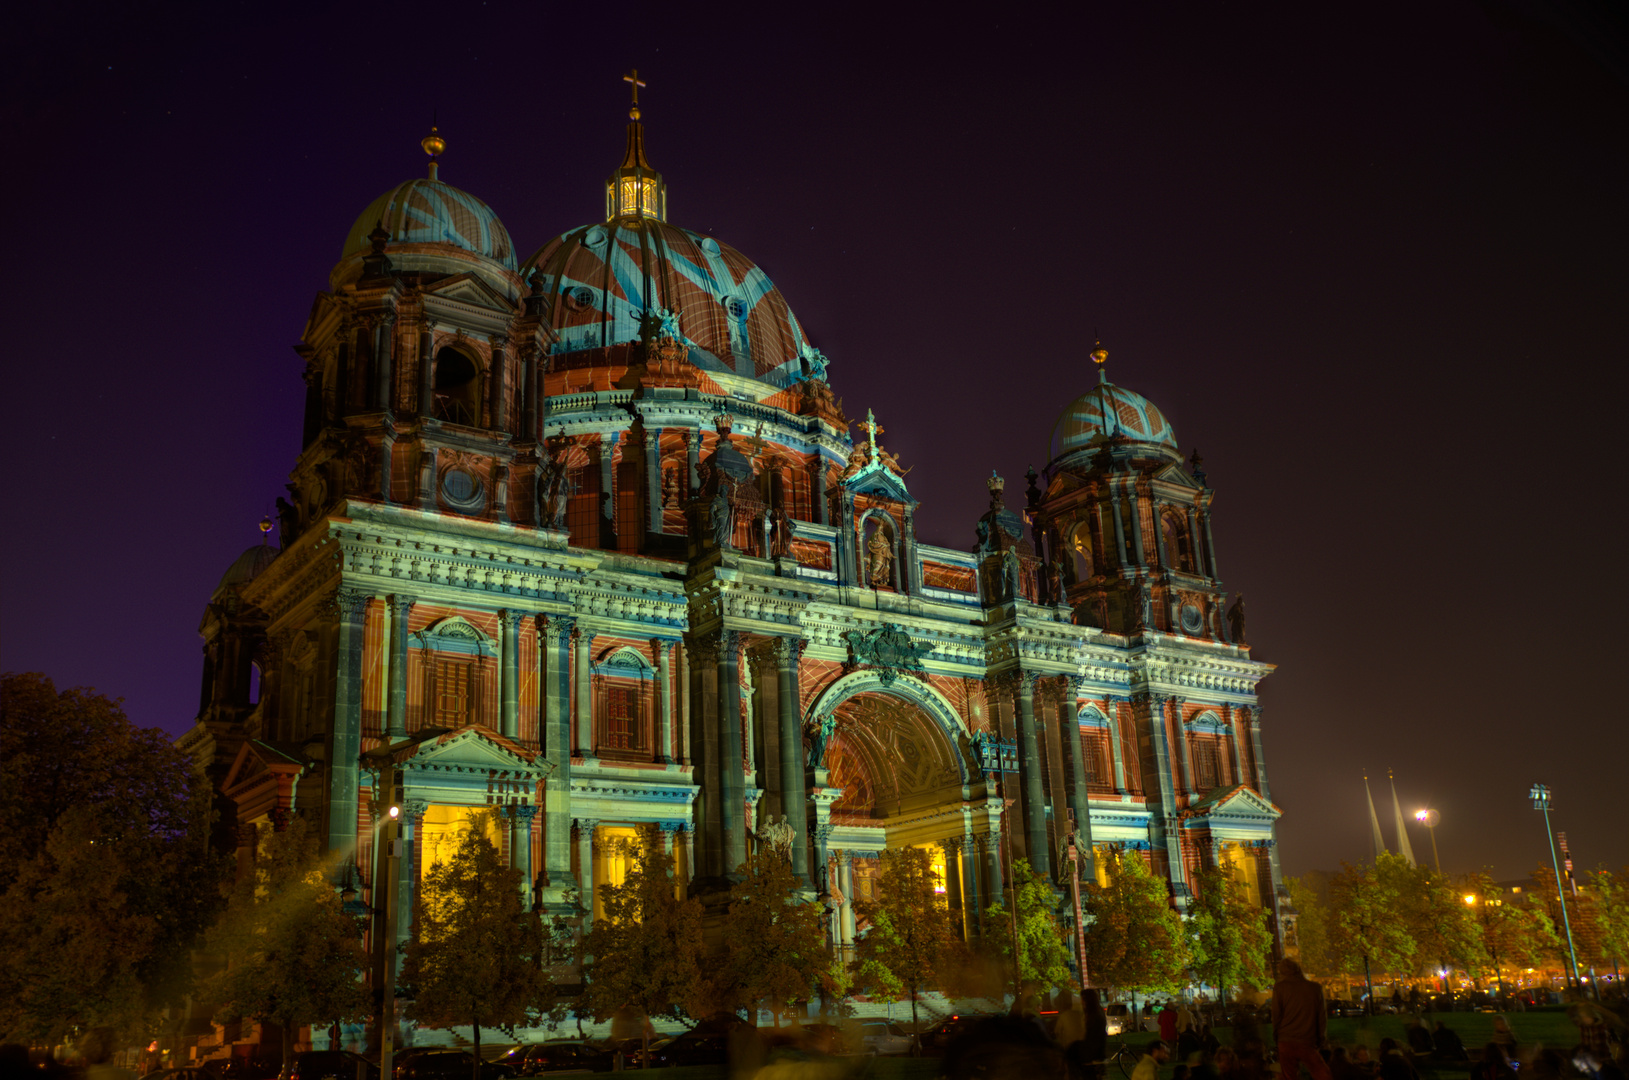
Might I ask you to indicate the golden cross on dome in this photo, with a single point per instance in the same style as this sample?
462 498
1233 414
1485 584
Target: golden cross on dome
633 78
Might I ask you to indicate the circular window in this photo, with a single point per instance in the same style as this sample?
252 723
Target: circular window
709 245
737 308
580 298
595 237
1191 619
461 489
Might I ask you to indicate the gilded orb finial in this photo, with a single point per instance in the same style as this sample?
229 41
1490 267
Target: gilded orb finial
265 527
433 145
1100 357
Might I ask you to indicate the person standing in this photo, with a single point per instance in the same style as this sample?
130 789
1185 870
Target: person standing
1300 1022
1168 1024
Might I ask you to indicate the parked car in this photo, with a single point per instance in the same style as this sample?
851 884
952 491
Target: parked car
691 1048
562 1056
332 1065
442 1063
1119 1018
1342 1007
935 1039
884 1037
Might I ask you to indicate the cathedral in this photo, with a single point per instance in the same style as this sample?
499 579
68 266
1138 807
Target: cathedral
586 540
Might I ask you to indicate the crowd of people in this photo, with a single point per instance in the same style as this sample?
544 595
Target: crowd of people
1298 1042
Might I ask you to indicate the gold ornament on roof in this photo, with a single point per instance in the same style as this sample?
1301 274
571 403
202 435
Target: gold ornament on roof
635 83
433 145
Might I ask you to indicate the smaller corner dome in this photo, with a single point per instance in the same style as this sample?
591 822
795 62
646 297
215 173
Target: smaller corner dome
431 212
1106 411
246 567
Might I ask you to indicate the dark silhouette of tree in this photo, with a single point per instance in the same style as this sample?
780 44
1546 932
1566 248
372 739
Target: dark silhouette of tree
107 877
294 957
910 946
645 951
475 956
1230 941
774 941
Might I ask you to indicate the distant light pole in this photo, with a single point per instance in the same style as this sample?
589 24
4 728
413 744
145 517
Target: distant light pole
1541 801
387 851
1429 819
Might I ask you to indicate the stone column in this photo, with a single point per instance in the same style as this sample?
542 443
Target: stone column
520 848
582 676
664 708
1184 745
684 707
953 884
345 740
794 798
1210 546
692 457
427 370
1112 712
1029 775
653 479
1119 523
509 687
407 868
1135 499
1193 542
1074 761
383 338
342 371
608 490
1163 821
554 735
427 477
396 710
1255 747
972 903
689 852
732 783
992 858
387 454
499 406
845 882
585 868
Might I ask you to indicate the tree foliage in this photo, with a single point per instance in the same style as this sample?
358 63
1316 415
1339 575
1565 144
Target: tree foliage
646 950
1367 932
1610 913
774 942
1043 949
1230 939
1311 929
910 945
294 956
1511 932
476 956
1135 940
106 873
1433 914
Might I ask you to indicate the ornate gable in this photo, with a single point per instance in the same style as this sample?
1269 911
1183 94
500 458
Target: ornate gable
1238 805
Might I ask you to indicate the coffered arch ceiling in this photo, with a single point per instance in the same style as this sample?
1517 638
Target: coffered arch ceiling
890 757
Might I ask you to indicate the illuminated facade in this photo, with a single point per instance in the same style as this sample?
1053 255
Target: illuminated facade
586 538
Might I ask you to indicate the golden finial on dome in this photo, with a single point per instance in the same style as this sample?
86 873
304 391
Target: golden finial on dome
1100 356
433 145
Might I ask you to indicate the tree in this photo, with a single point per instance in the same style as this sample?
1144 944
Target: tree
1230 939
1134 938
1311 928
774 939
645 951
1043 952
1511 931
1611 913
909 946
294 956
475 956
106 868
1367 931
1433 914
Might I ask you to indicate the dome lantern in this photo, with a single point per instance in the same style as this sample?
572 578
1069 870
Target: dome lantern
635 190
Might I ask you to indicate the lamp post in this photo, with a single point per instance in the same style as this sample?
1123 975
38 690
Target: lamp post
1429 819
387 850
1541 801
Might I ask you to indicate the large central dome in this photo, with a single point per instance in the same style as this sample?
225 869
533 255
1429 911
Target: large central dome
603 280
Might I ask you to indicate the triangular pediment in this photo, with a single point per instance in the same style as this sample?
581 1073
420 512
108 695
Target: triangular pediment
1238 802
879 480
256 758
474 748
1177 475
468 289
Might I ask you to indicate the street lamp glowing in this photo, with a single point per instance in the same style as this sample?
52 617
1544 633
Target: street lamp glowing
395 812
1429 818
1470 898
1541 801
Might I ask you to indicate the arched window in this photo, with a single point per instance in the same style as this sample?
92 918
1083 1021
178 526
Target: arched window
1081 542
625 705
457 388
1175 534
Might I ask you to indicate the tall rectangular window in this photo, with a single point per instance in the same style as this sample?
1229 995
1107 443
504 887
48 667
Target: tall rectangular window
622 727
1206 763
583 511
453 693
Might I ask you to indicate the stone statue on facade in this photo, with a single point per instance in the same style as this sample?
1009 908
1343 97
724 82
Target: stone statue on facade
778 837
822 738
1235 621
721 519
880 558
781 540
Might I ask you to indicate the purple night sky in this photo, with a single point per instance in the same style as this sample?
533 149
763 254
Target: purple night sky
1373 262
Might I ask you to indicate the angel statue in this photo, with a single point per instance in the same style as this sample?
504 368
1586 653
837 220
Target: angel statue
777 836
